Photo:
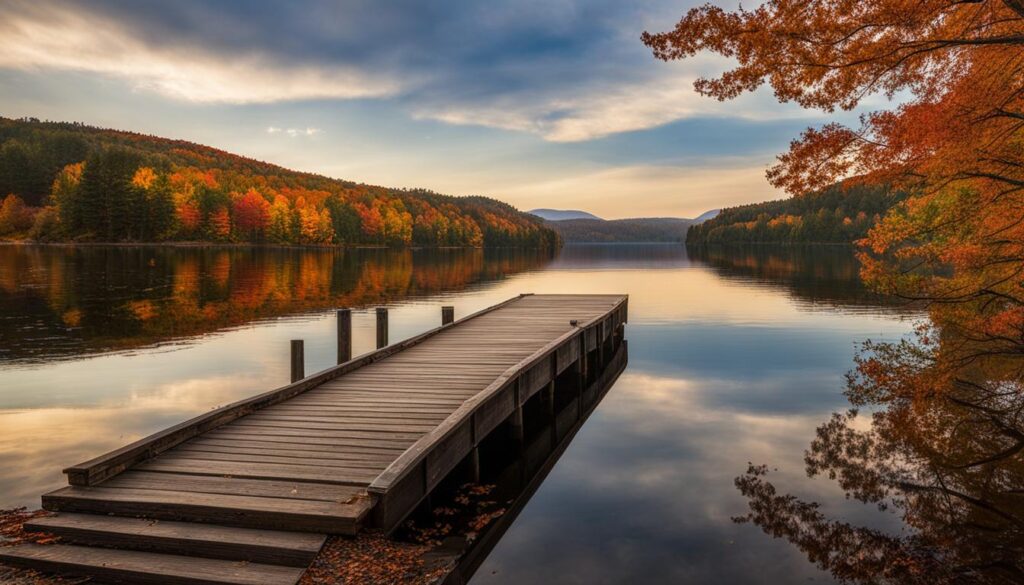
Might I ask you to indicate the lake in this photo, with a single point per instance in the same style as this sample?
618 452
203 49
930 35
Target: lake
736 356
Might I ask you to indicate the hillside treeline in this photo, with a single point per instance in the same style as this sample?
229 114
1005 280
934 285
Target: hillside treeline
70 182
654 229
837 214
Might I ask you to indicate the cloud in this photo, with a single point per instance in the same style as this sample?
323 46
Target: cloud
602 108
558 69
677 191
33 38
294 132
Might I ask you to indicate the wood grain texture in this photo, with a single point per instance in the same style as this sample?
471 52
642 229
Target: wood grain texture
145 568
292 549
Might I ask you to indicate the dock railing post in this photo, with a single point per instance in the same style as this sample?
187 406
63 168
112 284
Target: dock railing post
382 327
344 335
298 360
447 315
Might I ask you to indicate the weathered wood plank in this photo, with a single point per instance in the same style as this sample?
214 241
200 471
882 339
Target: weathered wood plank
273 547
335 475
235 486
144 568
228 510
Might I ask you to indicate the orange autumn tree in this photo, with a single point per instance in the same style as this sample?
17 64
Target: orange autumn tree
251 214
955 143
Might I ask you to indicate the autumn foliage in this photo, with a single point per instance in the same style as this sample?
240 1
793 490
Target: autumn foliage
955 144
946 436
105 185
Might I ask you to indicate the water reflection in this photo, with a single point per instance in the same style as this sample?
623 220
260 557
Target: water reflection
940 450
68 302
824 276
729 363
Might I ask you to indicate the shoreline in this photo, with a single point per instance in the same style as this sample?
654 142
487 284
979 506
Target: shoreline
268 246
249 245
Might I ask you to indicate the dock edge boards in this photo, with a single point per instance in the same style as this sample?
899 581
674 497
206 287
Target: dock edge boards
440 450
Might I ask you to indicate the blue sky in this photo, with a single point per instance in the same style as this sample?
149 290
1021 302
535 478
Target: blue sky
541 103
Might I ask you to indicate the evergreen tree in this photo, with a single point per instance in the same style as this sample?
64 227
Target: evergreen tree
109 210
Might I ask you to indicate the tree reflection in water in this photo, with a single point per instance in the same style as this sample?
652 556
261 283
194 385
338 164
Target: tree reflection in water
63 302
943 451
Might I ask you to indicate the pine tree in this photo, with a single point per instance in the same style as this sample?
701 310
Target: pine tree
108 195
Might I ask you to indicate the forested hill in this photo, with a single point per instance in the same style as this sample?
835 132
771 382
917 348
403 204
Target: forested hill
838 214
70 182
646 229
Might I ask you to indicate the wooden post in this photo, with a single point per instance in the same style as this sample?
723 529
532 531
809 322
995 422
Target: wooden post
382 327
474 464
517 415
580 371
447 315
298 360
344 335
517 424
548 396
580 367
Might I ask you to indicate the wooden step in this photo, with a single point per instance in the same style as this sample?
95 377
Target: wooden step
293 549
226 510
144 568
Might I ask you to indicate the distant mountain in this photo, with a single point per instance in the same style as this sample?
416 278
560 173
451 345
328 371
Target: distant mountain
646 229
638 229
712 214
562 214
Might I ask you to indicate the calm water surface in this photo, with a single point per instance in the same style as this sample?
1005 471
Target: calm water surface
736 356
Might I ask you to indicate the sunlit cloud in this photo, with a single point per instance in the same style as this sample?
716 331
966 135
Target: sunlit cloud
681 191
294 132
568 98
574 114
81 41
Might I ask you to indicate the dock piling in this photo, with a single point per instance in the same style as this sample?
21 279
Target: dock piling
344 335
382 327
298 360
516 420
447 315
474 464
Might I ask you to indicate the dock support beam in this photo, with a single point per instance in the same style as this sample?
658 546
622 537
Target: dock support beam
382 327
298 360
474 464
516 420
447 315
344 335
548 399
580 366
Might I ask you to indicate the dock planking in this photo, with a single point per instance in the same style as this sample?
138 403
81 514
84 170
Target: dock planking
359 444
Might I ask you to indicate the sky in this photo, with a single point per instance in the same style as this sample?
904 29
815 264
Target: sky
540 103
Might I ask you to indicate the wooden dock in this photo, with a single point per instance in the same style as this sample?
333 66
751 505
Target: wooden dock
248 492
